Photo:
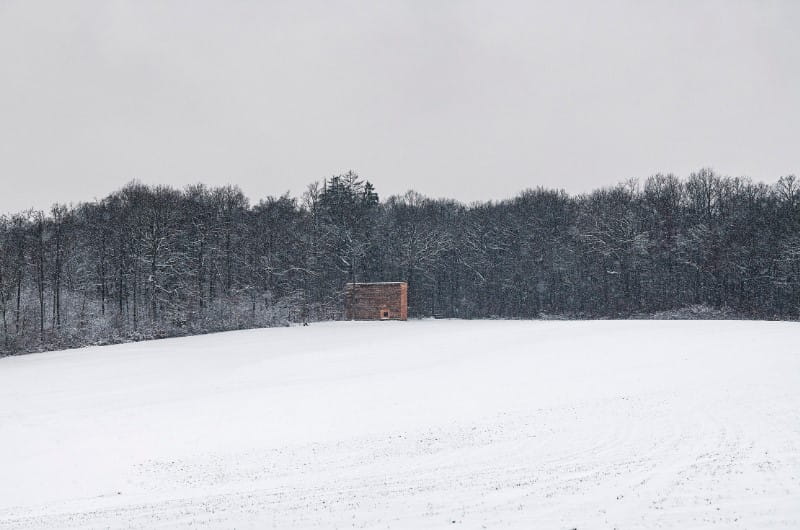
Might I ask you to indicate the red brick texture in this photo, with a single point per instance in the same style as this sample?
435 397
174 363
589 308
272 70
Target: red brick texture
376 301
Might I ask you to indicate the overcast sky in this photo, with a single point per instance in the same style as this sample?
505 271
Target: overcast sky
470 100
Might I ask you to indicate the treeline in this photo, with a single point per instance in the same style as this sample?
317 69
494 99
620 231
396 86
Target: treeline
155 261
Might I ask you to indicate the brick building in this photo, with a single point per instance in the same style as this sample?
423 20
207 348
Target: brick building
376 301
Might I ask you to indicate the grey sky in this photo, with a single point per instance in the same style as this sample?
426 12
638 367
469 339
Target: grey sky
461 99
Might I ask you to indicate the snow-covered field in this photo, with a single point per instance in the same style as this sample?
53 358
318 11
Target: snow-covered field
491 424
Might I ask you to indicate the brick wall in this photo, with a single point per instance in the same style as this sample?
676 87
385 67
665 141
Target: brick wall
376 301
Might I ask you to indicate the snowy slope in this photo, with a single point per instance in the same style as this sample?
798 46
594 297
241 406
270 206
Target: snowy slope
608 424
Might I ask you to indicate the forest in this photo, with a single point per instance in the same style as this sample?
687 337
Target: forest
149 262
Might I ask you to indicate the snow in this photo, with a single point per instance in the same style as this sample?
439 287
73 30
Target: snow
604 424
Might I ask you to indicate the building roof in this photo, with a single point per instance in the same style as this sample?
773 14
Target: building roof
374 283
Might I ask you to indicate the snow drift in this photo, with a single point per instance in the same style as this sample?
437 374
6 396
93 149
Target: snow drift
611 424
